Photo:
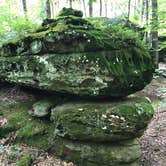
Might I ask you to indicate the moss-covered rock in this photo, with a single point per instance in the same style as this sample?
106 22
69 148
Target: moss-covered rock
70 55
94 154
29 130
84 74
102 121
41 108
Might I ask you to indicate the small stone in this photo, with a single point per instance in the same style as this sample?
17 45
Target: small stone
41 108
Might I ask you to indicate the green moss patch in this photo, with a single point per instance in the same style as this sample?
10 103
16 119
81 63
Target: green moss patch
102 121
29 130
24 160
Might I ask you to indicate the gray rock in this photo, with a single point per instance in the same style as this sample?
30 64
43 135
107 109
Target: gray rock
41 108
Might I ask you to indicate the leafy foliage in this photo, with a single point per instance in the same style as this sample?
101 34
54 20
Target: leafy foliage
13 25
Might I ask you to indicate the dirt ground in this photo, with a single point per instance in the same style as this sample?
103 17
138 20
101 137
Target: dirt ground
153 142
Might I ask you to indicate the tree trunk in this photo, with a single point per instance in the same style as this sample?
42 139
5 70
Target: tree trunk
142 11
154 32
147 18
56 6
106 11
48 9
90 8
24 4
101 7
70 3
83 1
52 8
128 15
135 7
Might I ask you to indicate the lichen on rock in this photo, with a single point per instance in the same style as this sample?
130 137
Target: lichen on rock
84 68
102 121
70 55
41 108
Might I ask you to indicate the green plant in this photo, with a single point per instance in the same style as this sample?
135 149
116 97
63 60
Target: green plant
25 160
13 25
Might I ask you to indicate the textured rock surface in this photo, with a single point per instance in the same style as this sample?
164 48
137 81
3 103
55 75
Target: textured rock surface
69 55
31 131
91 154
102 121
41 132
41 108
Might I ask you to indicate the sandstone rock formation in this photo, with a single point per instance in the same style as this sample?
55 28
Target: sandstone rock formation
102 121
70 55
85 68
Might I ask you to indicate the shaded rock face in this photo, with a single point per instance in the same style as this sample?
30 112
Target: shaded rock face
86 133
92 154
102 122
69 55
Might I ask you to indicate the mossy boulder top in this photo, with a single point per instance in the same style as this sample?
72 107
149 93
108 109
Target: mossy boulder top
102 121
70 55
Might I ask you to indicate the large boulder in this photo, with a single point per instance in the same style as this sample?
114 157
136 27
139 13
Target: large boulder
93 154
102 121
70 55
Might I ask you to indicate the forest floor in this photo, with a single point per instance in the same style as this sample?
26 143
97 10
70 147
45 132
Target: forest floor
153 142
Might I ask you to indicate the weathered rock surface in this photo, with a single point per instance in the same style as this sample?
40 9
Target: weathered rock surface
39 133
93 154
102 121
31 131
41 108
69 55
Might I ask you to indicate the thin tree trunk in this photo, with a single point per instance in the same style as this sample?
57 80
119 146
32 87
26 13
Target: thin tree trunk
24 4
154 32
83 1
135 7
128 15
48 9
56 6
52 8
70 3
142 11
101 7
147 18
90 8
106 11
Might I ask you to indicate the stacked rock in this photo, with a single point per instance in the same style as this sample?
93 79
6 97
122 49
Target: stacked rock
71 56
101 133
